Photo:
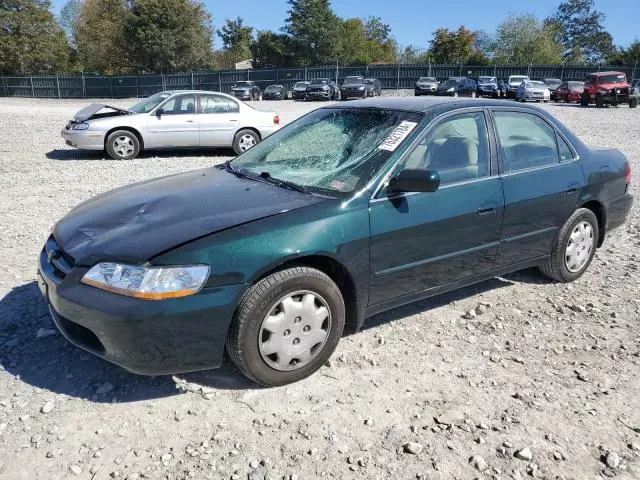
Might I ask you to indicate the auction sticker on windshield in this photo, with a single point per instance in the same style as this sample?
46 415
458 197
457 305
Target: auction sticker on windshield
396 137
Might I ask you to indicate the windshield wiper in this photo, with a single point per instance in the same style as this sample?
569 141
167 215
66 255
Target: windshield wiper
283 183
231 169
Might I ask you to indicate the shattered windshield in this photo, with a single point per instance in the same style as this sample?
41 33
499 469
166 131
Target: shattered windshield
331 150
149 103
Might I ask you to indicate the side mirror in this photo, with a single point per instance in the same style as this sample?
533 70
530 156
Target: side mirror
414 180
159 112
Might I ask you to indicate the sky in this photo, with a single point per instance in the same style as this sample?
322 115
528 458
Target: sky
413 21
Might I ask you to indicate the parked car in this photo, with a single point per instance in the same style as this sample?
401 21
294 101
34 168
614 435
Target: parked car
426 86
607 88
458 87
374 87
274 92
570 92
488 87
533 91
328 221
299 91
176 118
552 84
513 83
246 90
353 87
322 89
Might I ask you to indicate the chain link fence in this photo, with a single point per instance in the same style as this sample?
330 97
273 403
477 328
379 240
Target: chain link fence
392 77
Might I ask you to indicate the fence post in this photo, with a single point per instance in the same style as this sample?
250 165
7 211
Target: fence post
192 88
305 74
33 94
219 81
84 87
163 84
460 71
137 91
398 79
110 86
58 85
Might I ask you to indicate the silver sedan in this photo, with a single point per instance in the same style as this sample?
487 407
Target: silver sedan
184 118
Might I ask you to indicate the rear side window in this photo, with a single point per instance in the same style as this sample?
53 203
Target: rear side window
457 148
566 154
526 141
217 104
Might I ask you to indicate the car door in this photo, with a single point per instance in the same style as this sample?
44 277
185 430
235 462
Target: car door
177 126
218 120
424 240
541 178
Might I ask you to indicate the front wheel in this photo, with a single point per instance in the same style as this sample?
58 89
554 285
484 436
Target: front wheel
575 247
244 140
287 326
633 103
122 145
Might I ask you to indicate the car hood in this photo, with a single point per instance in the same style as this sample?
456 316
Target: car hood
90 111
238 89
487 84
536 89
429 84
137 222
442 86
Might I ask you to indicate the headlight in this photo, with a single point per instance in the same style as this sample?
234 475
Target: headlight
150 283
361 88
451 89
80 126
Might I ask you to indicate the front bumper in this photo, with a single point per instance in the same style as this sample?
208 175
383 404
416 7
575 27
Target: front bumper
353 93
83 139
322 95
145 337
298 95
488 91
242 95
425 89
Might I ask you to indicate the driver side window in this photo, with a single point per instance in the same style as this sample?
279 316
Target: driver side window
180 105
457 148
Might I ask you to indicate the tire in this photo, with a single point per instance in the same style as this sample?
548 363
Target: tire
584 99
123 145
566 99
599 101
633 103
246 343
557 267
244 140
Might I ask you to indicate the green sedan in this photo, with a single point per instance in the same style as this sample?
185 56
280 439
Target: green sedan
350 210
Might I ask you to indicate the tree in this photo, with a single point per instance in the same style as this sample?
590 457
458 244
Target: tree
581 32
524 40
31 41
69 18
381 44
170 35
313 27
272 50
236 40
454 47
627 56
411 54
99 36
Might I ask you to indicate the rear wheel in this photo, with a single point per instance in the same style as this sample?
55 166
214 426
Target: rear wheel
287 326
123 145
633 103
244 140
599 101
574 249
584 99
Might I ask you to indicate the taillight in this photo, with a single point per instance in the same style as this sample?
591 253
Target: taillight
276 120
627 176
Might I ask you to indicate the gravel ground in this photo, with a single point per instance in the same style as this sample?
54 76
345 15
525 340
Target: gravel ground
542 382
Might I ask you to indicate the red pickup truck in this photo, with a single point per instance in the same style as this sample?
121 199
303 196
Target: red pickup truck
608 88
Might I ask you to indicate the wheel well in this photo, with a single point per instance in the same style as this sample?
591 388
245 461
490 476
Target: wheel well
128 129
598 210
249 128
339 274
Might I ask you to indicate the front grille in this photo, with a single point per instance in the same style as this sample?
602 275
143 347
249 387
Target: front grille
60 262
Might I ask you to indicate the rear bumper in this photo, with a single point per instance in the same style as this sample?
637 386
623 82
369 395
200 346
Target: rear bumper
144 337
618 211
319 95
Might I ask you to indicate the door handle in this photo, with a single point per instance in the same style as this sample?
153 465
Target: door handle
573 188
483 211
190 121
233 120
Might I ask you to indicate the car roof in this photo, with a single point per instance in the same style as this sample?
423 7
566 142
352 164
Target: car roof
599 74
423 104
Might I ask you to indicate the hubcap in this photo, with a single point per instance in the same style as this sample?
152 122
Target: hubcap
123 146
246 142
294 331
579 247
